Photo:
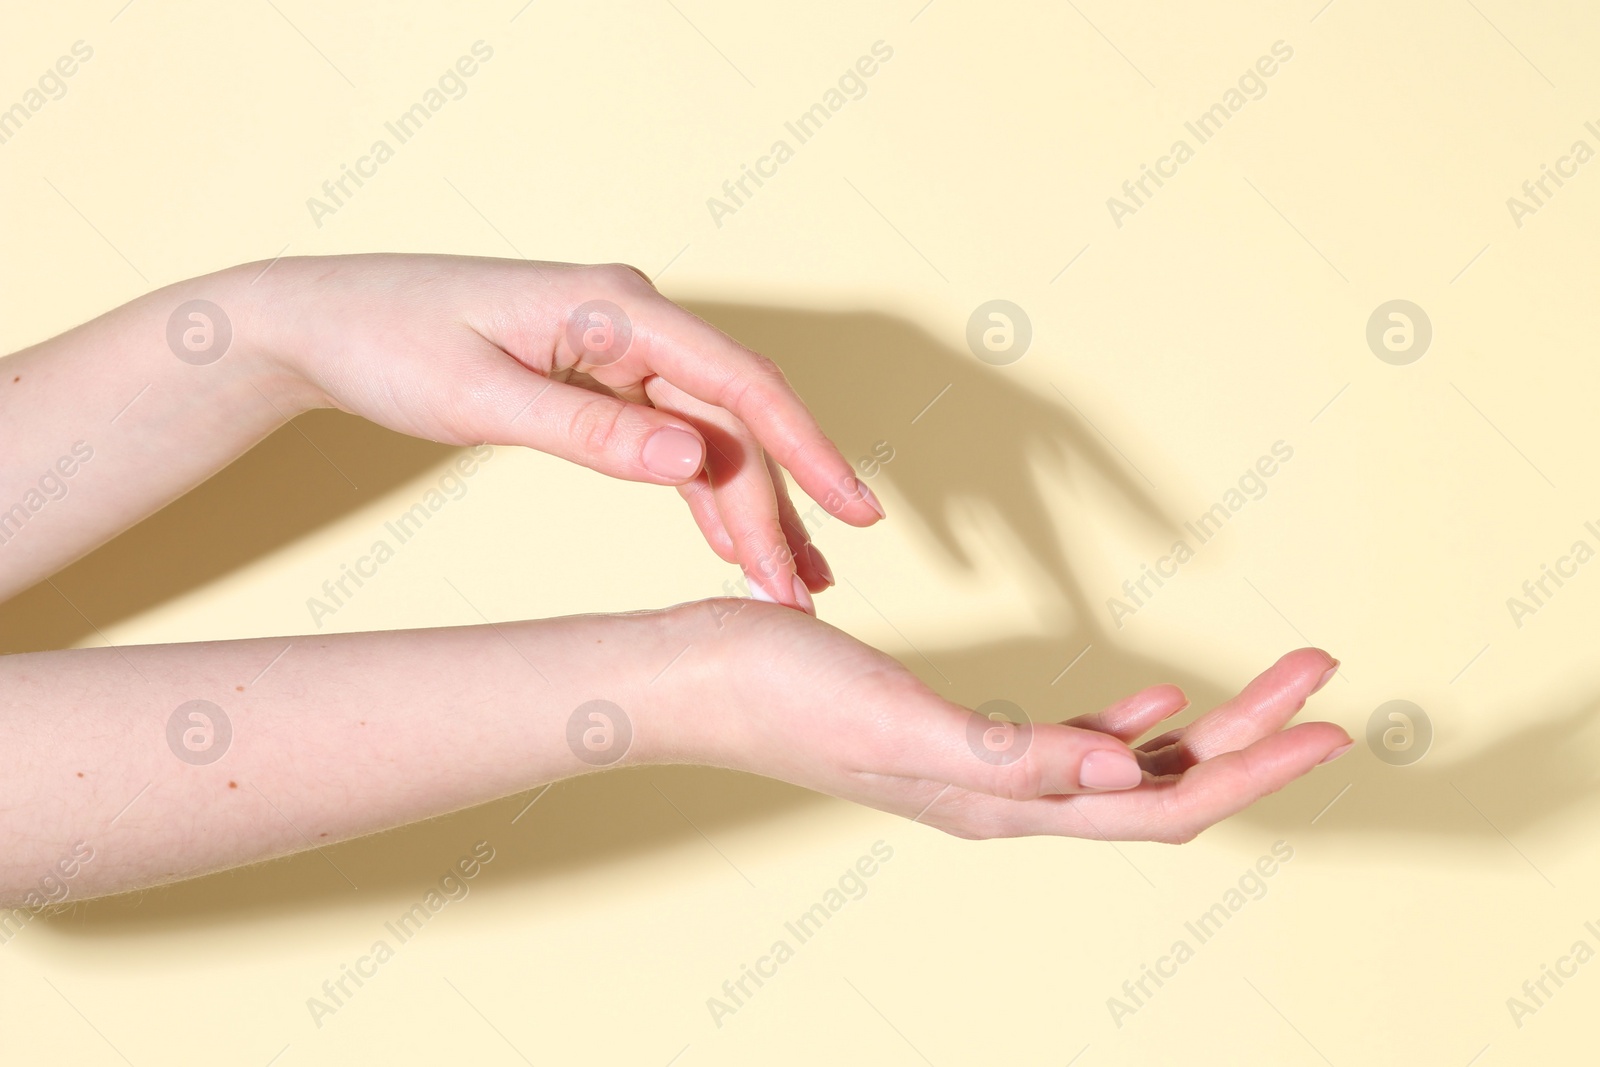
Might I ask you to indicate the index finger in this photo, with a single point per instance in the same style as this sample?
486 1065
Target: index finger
712 367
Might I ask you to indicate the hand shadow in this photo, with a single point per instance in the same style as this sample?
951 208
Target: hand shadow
963 436
988 443
302 477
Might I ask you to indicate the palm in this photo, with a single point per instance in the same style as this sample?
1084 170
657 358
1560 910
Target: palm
835 715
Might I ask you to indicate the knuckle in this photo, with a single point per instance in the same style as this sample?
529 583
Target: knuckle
597 425
757 380
1021 780
622 275
964 833
1175 827
764 370
960 824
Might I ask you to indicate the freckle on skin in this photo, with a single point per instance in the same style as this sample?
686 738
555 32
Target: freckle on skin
80 774
239 688
233 785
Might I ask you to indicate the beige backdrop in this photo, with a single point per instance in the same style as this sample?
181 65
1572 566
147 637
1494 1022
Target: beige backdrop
1176 339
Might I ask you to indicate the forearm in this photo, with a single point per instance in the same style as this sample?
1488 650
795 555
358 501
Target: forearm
106 424
332 737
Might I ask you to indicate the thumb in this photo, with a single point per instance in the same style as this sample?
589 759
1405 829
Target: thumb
635 442
1016 760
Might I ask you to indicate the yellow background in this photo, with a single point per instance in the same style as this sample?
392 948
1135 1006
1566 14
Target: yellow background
1227 314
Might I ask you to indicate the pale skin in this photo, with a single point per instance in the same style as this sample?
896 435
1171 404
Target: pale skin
350 734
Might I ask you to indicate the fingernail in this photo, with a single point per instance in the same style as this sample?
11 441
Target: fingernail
1336 753
820 563
673 453
757 592
1327 676
1103 769
872 501
802 596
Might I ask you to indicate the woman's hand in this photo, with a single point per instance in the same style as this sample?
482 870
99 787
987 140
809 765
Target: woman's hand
354 733
588 363
789 697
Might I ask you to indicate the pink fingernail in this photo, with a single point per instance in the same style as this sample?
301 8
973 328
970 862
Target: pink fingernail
820 563
758 592
1336 753
1104 769
673 453
872 501
797 590
802 596
1327 676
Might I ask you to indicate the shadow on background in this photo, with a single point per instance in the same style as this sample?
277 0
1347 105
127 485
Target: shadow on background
985 443
304 476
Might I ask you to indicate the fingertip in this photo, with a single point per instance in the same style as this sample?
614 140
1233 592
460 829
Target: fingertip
1308 660
818 566
848 500
1109 769
1308 744
1170 696
788 592
1133 715
675 454
802 597
1293 678
1336 752
1327 675
870 499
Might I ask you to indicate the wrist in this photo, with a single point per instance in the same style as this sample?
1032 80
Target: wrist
692 692
265 306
